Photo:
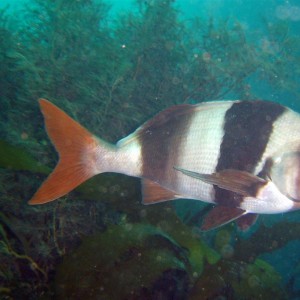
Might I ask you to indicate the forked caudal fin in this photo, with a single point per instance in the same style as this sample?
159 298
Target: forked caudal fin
78 154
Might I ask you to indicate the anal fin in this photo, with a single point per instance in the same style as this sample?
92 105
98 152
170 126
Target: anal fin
246 221
221 215
154 193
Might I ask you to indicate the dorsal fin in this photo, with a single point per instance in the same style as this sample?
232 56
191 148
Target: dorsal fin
154 193
176 111
158 120
166 115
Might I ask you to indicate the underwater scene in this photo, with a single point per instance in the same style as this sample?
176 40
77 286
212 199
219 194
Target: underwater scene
152 84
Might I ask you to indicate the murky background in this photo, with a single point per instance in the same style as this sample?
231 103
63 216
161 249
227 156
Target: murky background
112 65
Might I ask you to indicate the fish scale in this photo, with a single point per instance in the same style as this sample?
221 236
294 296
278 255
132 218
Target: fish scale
243 156
199 151
286 130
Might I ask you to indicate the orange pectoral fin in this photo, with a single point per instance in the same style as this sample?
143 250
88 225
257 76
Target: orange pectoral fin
75 146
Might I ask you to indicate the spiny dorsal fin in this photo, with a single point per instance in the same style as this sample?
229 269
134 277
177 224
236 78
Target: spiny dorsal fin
158 121
166 115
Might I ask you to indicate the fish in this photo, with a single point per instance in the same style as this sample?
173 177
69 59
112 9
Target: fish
243 157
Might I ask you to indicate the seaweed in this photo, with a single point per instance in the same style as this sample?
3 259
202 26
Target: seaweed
266 240
132 255
15 158
112 73
14 262
238 280
280 55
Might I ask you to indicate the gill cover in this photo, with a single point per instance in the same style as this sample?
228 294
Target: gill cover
285 171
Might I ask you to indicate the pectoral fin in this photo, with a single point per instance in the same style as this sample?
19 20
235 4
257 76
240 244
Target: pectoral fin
221 215
240 182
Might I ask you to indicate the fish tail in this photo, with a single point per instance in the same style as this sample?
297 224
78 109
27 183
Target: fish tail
78 150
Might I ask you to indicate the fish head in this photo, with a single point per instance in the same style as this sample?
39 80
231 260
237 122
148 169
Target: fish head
285 172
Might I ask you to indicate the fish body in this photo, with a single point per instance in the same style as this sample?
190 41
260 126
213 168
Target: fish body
243 156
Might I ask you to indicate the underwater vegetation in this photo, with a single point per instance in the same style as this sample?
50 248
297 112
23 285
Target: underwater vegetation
113 73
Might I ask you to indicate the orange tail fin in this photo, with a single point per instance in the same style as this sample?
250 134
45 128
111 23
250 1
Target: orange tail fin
77 150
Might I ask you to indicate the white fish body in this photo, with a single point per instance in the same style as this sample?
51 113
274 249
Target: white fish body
242 155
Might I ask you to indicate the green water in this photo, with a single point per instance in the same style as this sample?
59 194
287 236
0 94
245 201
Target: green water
112 65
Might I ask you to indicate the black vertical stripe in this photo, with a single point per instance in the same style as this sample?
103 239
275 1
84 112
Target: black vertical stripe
247 129
161 138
